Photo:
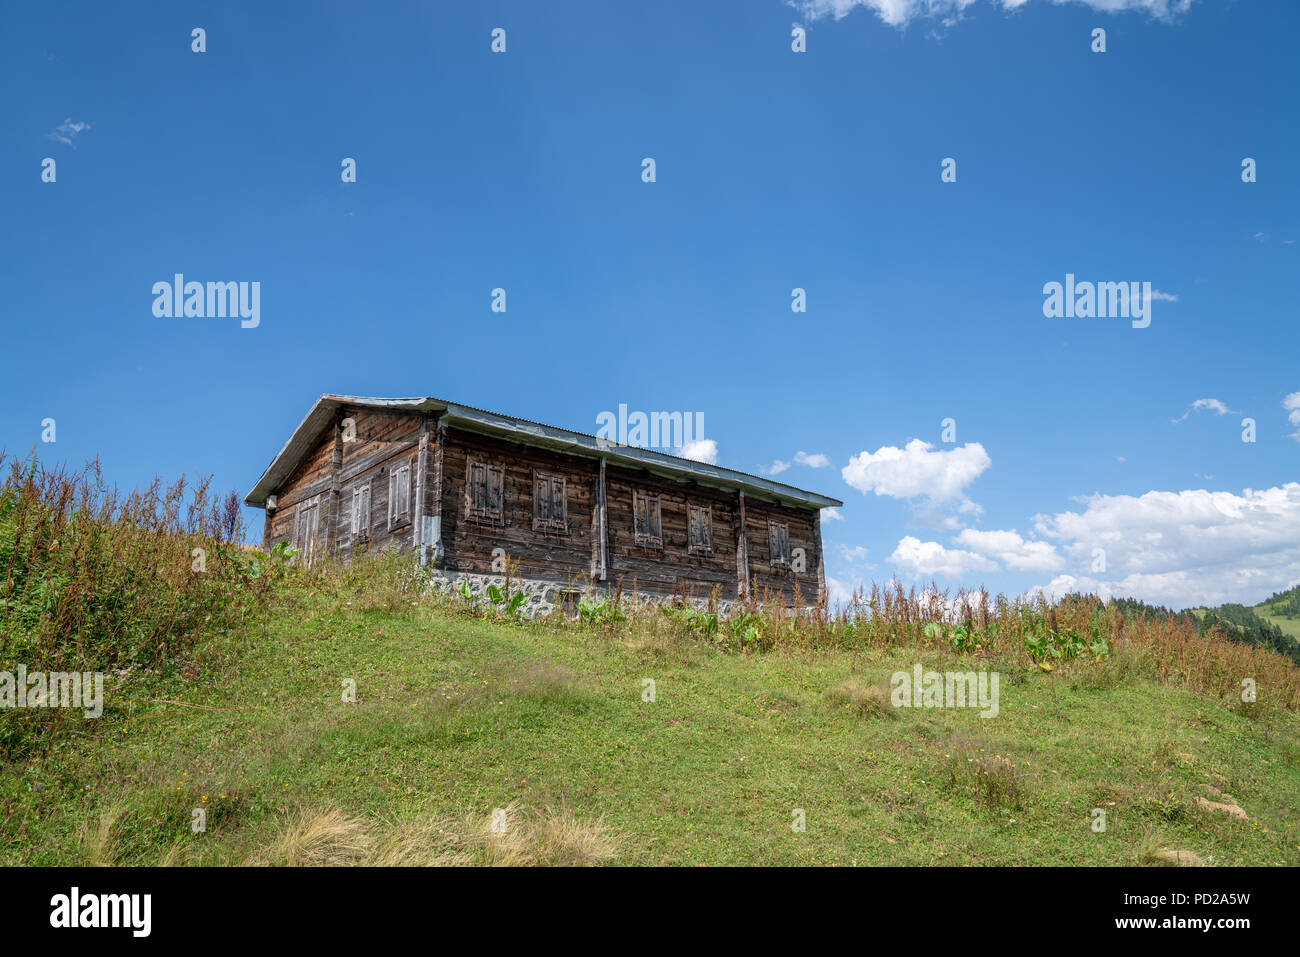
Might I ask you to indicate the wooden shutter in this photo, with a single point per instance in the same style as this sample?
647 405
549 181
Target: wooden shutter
361 512
399 495
550 509
477 489
700 531
313 520
779 542
542 502
496 492
559 504
304 531
646 519
485 492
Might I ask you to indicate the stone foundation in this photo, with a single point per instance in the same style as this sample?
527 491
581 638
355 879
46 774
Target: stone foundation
544 596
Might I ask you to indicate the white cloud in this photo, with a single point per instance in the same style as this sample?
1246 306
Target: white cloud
1292 406
1163 296
928 559
1214 405
814 461
917 472
1186 548
899 13
855 554
701 450
832 515
1012 550
66 131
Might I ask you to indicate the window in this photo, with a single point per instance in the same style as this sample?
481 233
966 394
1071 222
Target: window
699 540
550 509
778 538
399 495
305 523
485 492
645 514
361 513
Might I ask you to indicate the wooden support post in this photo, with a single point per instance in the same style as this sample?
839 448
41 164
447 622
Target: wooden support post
417 519
602 539
742 549
821 564
435 507
333 513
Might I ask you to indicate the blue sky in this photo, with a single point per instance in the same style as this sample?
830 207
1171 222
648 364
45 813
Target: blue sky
774 170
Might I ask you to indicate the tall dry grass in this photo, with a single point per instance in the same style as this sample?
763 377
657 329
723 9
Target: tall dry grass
999 630
510 837
92 578
971 623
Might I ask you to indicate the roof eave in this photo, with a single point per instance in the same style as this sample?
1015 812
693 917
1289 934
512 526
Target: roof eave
318 418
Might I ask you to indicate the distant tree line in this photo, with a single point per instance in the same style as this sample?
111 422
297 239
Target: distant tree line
1234 622
1285 604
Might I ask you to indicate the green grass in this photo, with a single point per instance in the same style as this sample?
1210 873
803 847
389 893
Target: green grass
457 716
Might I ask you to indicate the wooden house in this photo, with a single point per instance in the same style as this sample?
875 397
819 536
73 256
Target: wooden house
463 488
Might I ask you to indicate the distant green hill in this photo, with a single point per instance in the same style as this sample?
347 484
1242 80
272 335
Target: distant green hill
1283 610
1274 623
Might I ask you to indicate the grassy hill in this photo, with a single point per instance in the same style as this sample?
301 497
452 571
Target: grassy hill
475 738
456 716
1283 610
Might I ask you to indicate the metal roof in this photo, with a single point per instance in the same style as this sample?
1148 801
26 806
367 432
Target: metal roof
322 415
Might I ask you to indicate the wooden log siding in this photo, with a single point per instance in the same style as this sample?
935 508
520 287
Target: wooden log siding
801 532
381 441
471 530
660 570
597 538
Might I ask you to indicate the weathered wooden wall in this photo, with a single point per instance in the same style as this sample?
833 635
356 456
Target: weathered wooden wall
382 441
333 468
468 543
